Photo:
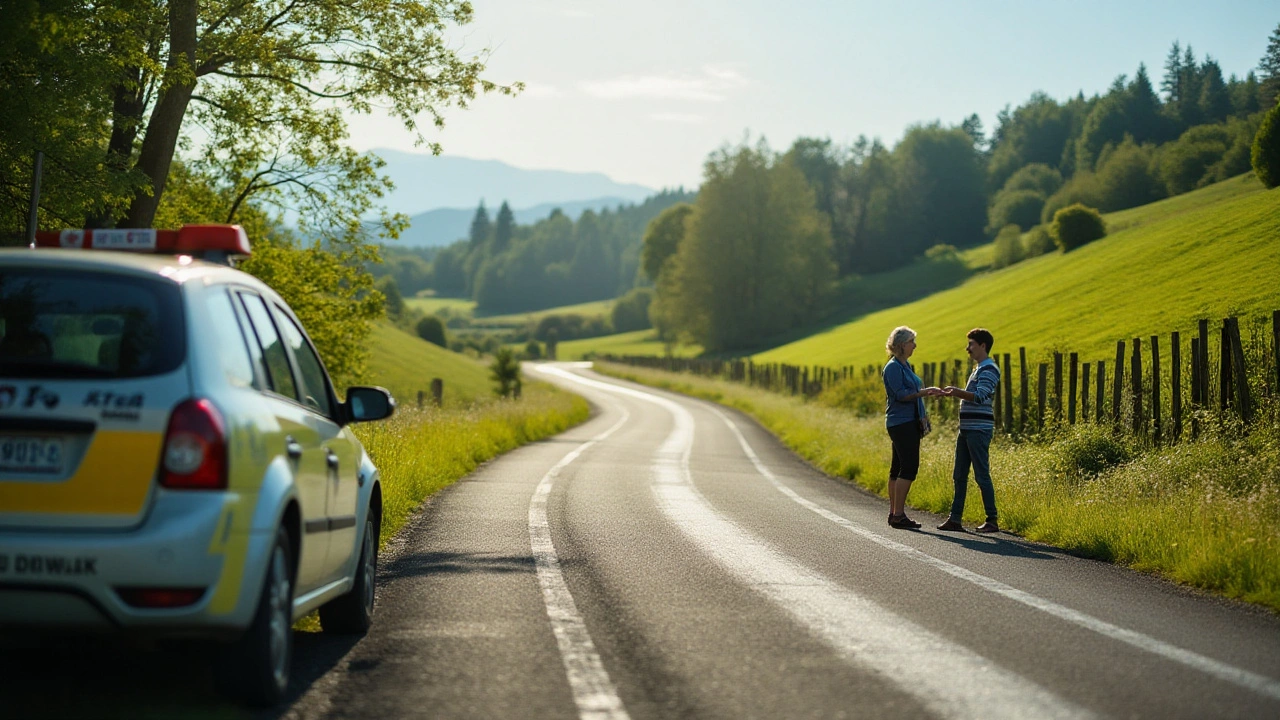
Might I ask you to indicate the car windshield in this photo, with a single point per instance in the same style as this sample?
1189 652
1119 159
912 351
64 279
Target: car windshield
57 324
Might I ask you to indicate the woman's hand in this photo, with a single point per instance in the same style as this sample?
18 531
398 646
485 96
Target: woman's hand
931 392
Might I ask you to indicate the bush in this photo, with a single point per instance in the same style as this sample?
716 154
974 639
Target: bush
431 329
505 373
942 253
1082 188
631 311
1126 176
1076 226
1008 247
392 299
572 327
1266 149
1036 177
1039 242
1088 451
533 350
1017 207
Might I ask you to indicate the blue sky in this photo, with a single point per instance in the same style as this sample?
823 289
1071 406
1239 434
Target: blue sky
643 91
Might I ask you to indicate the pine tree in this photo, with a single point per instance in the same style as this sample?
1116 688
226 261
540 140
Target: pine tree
1269 70
503 228
1171 86
1244 96
1142 108
480 227
1189 95
1215 103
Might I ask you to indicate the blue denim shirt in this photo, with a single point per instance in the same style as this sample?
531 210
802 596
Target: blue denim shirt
900 381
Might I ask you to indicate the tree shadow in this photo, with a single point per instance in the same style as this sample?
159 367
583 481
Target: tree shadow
439 563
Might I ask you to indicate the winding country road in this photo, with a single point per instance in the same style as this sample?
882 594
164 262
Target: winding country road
669 558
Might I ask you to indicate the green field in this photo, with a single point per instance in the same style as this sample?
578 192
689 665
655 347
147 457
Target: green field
433 305
598 307
639 342
1206 254
405 364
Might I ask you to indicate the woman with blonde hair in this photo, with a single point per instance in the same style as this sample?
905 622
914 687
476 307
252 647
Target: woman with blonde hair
905 419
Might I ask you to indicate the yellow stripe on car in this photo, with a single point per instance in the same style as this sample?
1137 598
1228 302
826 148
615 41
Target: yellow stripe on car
113 479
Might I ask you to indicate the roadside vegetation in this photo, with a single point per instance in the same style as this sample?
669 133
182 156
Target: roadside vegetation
1200 512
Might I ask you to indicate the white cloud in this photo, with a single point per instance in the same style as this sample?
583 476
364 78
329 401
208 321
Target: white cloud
709 84
678 118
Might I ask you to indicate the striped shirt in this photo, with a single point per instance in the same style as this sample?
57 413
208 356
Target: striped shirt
977 414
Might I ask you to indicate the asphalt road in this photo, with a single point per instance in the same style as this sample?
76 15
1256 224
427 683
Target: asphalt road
669 558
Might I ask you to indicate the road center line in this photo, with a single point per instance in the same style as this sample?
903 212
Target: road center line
593 691
945 677
1244 678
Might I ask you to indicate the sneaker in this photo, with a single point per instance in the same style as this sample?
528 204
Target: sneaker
951 526
989 526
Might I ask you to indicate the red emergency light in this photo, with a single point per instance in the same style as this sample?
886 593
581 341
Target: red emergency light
216 243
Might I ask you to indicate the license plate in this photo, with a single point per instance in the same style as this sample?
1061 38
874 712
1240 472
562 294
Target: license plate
31 454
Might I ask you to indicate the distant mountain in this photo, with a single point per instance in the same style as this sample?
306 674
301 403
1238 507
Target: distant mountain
443 226
429 182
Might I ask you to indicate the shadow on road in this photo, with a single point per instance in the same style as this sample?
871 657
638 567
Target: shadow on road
94 677
994 545
421 564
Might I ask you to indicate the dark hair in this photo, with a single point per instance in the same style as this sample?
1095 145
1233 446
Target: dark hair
983 336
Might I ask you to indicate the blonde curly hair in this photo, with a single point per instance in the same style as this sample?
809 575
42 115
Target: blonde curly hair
900 336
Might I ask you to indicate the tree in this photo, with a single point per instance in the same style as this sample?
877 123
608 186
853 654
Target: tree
631 311
1245 96
1171 85
1215 102
431 329
260 81
393 301
1075 226
662 237
972 126
1142 108
504 228
1126 176
756 257
505 373
1266 148
817 160
1037 177
1269 70
1035 132
1015 208
478 235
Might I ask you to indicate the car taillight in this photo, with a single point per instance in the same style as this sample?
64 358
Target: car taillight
195 448
144 597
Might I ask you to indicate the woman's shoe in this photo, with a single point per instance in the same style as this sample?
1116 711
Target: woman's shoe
902 522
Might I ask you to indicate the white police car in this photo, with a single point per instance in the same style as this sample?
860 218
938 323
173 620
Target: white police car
174 460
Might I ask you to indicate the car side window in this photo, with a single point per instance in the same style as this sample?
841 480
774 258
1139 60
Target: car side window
279 374
315 387
233 353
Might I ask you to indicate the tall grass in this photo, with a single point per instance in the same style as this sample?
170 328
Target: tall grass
419 452
1205 513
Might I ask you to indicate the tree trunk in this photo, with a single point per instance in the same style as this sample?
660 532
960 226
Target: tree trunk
166 120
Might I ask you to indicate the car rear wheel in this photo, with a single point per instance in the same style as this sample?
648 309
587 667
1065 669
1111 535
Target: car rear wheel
353 612
255 670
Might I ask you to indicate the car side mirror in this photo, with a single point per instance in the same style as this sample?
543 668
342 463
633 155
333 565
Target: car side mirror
368 403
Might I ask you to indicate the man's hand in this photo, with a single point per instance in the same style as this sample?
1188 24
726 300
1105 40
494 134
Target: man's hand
952 391
931 392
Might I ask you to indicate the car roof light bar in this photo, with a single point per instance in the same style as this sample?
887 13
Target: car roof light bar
215 243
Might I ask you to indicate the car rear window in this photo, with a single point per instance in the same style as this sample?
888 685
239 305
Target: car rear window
59 324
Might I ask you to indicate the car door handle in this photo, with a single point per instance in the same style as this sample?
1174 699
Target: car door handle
292 447
332 459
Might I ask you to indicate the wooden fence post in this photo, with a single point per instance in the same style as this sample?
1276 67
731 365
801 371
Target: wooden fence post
421 396
1022 400
1155 389
1224 371
1057 387
1073 379
1203 329
1101 393
1175 383
1084 391
1135 372
1008 396
1042 388
437 391
1117 385
1244 404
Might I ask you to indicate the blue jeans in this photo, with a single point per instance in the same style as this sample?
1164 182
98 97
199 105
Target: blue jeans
973 447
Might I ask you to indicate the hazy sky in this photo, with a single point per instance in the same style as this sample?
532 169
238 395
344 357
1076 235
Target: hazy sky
643 91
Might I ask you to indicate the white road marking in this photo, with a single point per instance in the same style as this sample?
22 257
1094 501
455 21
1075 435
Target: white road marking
1244 678
593 691
945 677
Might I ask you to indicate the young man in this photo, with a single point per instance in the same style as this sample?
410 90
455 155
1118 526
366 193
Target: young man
977 425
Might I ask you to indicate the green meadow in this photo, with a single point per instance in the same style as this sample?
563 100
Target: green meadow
1209 254
638 342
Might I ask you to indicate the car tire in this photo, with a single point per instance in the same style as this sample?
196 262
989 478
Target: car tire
255 669
353 612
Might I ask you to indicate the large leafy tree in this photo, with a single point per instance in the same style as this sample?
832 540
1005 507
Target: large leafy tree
755 260
255 90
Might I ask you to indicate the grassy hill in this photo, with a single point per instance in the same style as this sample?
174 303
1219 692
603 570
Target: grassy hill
639 342
405 364
1210 253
